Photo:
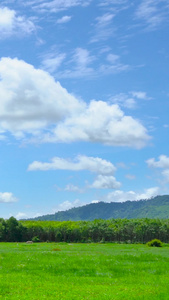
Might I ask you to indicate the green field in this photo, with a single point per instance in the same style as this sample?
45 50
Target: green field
83 271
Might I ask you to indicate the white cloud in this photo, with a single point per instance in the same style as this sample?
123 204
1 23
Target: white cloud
121 196
57 5
21 215
140 95
152 13
31 99
7 198
129 100
82 57
73 188
102 123
32 102
11 24
124 101
163 162
105 182
68 205
112 2
112 58
112 65
52 62
64 19
80 65
103 27
92 164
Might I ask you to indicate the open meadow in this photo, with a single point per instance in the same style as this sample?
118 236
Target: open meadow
83 271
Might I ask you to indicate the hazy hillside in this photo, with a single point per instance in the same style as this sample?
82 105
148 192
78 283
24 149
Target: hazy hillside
157 207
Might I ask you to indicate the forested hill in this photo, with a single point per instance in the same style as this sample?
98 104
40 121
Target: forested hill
157 207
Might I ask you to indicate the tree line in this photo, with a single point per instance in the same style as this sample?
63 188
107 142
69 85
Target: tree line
113 230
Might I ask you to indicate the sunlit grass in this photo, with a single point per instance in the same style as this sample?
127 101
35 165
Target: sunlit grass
83 271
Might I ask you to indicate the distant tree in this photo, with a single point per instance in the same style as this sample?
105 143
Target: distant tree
15 231
2 230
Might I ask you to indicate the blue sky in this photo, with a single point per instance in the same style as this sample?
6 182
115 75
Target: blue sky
84 102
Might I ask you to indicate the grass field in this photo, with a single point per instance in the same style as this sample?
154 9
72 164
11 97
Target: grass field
83 271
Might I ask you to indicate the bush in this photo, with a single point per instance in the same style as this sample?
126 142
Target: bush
154 243
35 239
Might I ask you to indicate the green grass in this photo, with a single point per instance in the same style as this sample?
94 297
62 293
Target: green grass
83 271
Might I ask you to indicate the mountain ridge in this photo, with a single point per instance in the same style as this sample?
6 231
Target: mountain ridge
156 207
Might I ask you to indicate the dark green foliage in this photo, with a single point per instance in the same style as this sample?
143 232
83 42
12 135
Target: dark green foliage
12 230
157 207
113 230
35 239
155 243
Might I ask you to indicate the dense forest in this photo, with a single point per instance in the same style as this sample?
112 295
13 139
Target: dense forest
157 207
113 230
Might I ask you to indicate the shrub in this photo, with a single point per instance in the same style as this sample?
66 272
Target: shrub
35 239
154 243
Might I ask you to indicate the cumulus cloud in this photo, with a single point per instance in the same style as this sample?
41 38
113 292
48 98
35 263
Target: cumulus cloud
32 102
11 24
92 164
105 182
105 169
121 196
102 123
7 198
31 99
68 205
163 162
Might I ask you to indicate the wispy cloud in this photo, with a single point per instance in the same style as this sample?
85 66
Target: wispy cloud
152 13
80 65
52 61
57 5
129 100
73 188
130 176
103 28
85 65
113 65
64 19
